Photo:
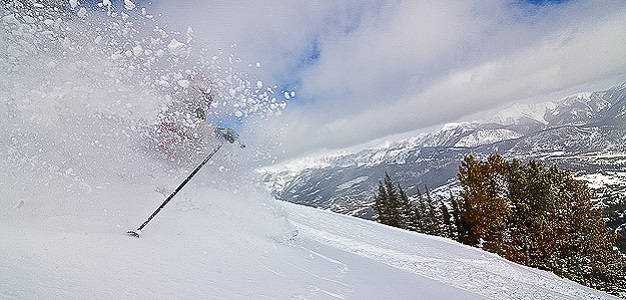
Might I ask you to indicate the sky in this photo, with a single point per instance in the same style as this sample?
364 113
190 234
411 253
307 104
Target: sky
365 70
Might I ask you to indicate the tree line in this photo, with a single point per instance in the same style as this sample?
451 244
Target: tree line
528 213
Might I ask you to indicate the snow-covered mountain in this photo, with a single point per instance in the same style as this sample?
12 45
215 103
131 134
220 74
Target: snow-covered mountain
583 133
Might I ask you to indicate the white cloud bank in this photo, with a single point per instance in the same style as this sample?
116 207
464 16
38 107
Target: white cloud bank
365 70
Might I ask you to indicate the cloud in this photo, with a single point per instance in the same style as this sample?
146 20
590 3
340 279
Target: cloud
365 70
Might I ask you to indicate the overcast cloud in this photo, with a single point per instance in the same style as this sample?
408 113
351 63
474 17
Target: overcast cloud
363 70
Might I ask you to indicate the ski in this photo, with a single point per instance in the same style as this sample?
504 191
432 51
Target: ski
135 233
132 233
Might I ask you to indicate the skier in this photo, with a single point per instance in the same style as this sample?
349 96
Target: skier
182 134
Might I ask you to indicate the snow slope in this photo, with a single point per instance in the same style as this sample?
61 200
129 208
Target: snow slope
212 244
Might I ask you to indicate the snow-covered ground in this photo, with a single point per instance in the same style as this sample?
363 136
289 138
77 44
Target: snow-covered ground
211 244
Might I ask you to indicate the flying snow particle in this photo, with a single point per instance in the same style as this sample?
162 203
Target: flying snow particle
189 34
82 12
238 114
183 83
232 92
138 50
258 64
176 47
293 94
116 56
129 5
97 40
73 3
29 19
66 43
259 84
287 95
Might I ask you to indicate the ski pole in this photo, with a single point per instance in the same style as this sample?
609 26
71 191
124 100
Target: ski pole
135 233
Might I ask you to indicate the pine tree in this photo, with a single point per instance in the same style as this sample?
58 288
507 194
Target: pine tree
421 210
587 253
407 211
394 205
485 206
615 215
538 216
380 205
448 229
460 224
533 223
391 207
415 218
433 214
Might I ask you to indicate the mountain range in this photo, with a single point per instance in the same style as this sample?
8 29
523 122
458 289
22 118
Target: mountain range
583 133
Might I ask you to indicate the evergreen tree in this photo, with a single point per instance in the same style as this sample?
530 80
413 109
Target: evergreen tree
587 253
380 205
415 218
433 214
389 207
538 216
448 229
485 206
460 224
615 216
535 214
393 207
394 204
421 209
407 210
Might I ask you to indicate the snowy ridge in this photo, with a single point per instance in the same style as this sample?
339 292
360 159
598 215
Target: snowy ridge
485 137
583 133
578 109
499 126
460 135
513 114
